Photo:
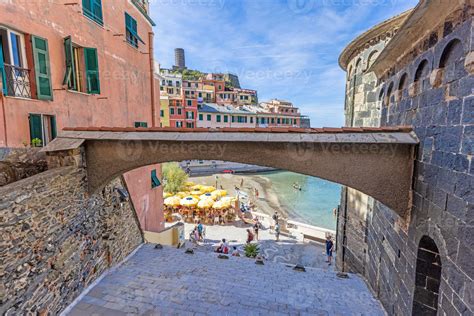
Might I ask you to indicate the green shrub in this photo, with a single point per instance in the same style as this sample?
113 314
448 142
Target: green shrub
251 250
174 177
36 142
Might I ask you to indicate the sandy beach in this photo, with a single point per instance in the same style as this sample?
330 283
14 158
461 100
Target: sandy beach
267 201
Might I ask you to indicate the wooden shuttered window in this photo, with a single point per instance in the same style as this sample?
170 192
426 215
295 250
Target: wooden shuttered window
42 68
93 10
92 70
36 128
70 75
155 182
131 31
141 124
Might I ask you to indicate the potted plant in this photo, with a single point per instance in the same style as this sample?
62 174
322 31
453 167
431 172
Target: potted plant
251 250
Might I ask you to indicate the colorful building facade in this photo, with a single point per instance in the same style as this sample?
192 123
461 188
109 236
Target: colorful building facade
92 69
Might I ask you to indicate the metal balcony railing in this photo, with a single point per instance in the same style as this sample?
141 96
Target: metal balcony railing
18 81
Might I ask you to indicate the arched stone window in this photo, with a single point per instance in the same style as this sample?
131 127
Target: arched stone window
358 66
372 56
380 99
402 85
421 73
428 278
388 96
452 52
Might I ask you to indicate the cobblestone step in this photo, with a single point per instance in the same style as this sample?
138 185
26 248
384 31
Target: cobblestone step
168 281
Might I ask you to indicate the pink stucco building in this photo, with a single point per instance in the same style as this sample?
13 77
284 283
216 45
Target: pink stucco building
79 63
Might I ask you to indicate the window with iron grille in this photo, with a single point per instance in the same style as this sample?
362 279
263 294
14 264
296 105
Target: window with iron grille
16 75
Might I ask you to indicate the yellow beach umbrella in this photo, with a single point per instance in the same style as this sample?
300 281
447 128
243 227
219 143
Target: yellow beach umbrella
220 205
205 203
207 196
208 189
196 192
182 194
172 201
167 195
219 193
189 201
197 187
189 184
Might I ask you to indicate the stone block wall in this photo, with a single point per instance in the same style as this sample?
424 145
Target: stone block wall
431 89
441 111
20 163
55 239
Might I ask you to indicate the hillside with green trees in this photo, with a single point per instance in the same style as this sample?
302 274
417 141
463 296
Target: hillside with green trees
189 74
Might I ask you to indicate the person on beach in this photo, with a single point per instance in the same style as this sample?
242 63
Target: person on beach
275 217
249 236
256 194
223 247
242 183
200 228
235 252
256 226
196 234
329 249
277 231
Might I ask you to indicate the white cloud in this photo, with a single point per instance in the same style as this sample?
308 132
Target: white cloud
272 48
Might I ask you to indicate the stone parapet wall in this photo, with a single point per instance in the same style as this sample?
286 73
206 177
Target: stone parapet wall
20 163
56 240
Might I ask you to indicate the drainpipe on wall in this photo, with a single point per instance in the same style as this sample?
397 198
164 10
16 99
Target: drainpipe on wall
152 79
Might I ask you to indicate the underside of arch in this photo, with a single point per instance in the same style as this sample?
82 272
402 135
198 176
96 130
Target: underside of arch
378 163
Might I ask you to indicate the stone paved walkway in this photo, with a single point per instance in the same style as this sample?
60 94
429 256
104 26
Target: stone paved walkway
287 250
170 282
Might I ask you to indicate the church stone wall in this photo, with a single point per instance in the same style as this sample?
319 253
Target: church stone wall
437 99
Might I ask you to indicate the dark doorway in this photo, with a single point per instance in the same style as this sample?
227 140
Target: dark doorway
428 277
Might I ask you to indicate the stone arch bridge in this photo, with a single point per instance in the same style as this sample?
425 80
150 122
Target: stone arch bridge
376 161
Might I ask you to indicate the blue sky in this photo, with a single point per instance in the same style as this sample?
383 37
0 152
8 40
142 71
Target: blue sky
286 49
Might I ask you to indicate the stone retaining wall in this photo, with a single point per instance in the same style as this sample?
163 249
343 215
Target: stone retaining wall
20 163
55 239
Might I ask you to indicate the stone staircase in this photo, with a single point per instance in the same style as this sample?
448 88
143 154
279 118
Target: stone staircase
170 282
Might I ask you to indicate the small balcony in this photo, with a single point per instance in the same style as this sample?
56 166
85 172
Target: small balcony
18 81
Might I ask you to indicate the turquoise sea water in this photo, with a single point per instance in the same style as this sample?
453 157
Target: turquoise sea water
314 204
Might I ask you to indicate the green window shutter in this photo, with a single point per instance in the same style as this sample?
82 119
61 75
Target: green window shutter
226 119
2 72
218 117
70 75
42 68
54 130
92 70
209 117
141 124
36 127
155 182
97 11
200 117
93 10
